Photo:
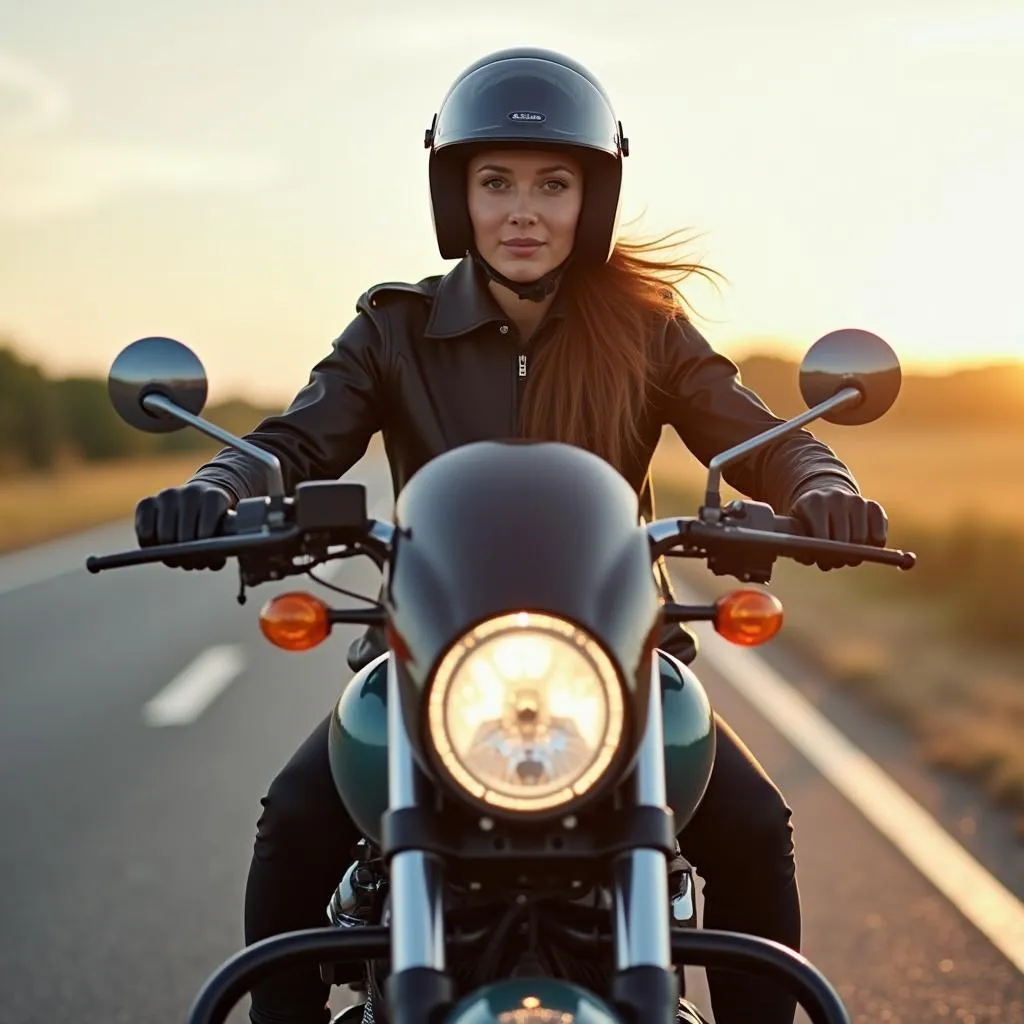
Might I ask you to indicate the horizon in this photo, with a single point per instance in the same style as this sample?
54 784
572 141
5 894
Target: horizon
236 178
263 398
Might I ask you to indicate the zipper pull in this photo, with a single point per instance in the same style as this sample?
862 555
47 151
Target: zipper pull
522 365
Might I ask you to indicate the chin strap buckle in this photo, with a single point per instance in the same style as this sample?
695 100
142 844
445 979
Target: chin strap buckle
530 291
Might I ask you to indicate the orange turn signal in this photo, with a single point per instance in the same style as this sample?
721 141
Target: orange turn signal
295 621
748 617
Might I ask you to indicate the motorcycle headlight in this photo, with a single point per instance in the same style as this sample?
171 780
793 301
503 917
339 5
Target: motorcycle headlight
525 712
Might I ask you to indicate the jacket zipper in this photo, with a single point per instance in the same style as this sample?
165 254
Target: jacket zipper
520 383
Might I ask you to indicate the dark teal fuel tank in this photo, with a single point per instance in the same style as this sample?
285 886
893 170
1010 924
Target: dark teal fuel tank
358 746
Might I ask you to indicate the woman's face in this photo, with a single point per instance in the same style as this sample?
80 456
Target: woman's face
524 205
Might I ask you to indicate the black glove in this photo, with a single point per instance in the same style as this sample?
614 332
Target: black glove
834 514
180 514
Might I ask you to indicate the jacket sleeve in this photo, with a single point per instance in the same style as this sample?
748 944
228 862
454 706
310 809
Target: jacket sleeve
704 400
326 429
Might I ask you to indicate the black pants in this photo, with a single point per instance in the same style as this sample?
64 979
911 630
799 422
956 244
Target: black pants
739 841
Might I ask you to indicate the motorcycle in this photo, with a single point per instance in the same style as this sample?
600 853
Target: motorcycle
522 757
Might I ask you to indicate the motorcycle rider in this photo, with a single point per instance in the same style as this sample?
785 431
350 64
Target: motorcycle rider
547 327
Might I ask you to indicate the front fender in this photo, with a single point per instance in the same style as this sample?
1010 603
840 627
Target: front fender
531 1001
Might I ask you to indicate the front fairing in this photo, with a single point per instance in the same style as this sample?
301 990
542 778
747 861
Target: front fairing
498 527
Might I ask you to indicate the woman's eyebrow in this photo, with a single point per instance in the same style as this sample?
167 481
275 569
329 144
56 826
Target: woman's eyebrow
540 170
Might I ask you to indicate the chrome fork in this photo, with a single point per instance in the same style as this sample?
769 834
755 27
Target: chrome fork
640 888
417 883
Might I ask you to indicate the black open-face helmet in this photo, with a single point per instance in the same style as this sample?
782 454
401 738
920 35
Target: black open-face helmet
538 99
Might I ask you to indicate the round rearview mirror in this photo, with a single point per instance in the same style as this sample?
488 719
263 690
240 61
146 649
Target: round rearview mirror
156 366
851 358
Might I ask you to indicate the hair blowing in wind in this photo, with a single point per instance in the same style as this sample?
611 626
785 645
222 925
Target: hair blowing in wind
590 377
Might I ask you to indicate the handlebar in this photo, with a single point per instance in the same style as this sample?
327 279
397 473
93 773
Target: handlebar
745 539
750 532
790 526
222 544
790 537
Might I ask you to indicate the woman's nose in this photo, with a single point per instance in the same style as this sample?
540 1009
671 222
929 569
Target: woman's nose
522 215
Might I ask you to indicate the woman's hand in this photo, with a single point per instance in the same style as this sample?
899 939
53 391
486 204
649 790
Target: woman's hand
180 514
834 514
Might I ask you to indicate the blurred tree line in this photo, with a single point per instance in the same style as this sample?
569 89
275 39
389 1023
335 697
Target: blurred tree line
45 422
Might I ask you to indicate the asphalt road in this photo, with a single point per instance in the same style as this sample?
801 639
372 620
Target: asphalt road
124 847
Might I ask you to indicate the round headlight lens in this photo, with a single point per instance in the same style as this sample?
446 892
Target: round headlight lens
526 712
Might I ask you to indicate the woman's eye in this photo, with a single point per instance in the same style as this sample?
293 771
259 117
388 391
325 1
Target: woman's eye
551 185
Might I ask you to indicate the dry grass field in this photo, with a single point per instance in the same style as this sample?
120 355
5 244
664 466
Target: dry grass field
36 508
920 476
939 648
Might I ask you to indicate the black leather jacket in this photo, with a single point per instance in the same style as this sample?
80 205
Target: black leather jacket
437 364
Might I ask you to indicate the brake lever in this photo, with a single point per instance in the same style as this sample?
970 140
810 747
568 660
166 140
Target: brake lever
783 543
238 544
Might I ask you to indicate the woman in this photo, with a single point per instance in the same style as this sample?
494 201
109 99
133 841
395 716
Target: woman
549 329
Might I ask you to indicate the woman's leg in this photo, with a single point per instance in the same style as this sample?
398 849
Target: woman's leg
740 842
303 845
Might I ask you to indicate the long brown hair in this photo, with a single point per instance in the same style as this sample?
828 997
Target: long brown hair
590 377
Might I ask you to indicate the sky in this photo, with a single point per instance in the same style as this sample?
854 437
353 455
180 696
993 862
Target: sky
235 174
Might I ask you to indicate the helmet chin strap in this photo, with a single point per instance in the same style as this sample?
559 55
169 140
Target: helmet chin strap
532 291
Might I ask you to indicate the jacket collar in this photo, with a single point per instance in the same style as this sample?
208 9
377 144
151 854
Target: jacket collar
463 303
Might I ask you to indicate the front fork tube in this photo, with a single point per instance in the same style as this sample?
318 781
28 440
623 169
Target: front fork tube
417 984
645 985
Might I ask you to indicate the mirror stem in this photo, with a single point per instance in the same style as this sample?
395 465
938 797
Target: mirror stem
712 496
158 403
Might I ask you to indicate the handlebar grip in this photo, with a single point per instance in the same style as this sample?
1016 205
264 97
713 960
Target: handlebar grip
892 556
236 532
145 556
122 559
793 527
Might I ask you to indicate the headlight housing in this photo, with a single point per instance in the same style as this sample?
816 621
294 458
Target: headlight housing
526 712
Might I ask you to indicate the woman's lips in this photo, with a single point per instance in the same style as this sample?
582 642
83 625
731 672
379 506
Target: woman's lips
522 248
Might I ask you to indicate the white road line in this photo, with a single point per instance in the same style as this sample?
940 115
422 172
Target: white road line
989 906
186 696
